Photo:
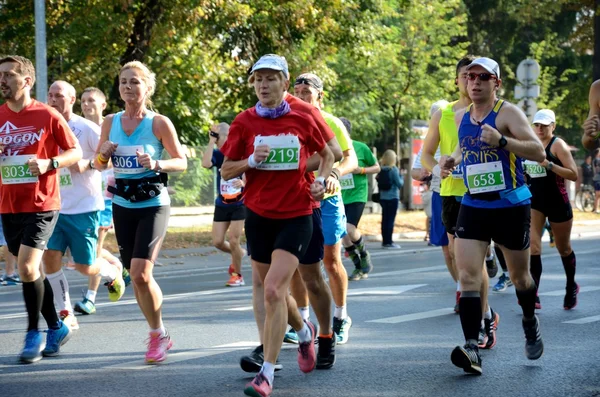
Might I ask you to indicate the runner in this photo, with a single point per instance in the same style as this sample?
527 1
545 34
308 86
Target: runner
495 207
133 141
93 103
355 193
29 196
309 88
591 127
10 276
229 206
550 200
443 133
78 219
278 199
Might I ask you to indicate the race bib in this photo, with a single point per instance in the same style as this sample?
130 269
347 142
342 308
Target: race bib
347 182
284 154
65 178
457 173
125 160
228 191
485 177
16 171
534 169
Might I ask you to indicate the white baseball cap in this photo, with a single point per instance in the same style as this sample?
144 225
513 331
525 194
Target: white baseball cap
544 117
273 62
488 64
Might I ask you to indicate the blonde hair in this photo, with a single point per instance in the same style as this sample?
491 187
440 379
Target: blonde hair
282 77
148 77
389 158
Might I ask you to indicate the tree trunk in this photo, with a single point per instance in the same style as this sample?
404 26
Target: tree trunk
596 58
148 16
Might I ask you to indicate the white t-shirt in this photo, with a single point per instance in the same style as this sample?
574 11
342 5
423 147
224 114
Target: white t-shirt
436 181
82 192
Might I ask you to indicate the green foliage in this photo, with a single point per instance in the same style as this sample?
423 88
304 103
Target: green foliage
194 186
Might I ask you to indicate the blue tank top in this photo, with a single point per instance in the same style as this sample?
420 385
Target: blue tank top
488 171
125 160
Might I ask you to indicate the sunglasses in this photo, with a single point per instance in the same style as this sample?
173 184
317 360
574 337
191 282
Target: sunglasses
482 76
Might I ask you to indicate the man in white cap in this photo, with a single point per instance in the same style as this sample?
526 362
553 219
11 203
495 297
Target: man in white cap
493 136
591 127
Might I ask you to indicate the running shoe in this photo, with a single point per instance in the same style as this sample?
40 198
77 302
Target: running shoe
236 280
32 351
341 328
571 297
259 387
456 305
482 339
503 283
467 357
116 288
2 278
291 336
357 275
492 267
391 246
307 358
12 279
326 352
69 319
157 347
534 346
85 307
254 361
365 263
491 325
55 338
126 277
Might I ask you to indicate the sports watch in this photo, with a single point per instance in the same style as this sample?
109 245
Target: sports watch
54 164
502 142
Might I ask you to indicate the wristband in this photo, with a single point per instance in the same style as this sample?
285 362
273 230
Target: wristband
335 173
362 170
320 180
436 170
251 162
101 159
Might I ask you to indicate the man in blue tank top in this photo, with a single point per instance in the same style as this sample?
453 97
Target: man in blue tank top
494 138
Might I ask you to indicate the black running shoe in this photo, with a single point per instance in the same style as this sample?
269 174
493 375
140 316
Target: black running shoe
534 346
467 357
492 267
326 352
491 325
571 297
254 361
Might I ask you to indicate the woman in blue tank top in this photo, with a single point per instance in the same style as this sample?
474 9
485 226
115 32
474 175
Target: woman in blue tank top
132 142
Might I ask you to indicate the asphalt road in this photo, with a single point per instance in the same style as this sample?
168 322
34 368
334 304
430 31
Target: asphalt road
404 330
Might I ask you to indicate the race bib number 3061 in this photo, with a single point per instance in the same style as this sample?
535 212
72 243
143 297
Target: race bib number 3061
125 160
284 154
485 177
16 171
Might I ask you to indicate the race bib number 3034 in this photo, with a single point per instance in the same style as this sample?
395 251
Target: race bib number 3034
125 160
284 154
485 177
16 171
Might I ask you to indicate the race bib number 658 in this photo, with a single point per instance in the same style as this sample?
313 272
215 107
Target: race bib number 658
485 177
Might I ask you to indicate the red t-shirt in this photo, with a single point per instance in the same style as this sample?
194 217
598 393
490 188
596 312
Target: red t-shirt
37 130
275 194
324 129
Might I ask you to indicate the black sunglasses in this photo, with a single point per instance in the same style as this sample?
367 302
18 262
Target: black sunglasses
482 76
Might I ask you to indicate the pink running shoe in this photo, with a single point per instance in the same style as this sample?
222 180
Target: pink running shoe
259 387
307 357
157 347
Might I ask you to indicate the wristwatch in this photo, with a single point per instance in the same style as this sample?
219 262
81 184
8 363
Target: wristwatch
53 164
502 142
91 164
549 165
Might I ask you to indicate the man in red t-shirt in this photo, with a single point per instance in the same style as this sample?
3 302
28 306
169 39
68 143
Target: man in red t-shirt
32 136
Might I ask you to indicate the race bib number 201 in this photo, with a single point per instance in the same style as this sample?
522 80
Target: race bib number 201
284 154
16 171
485 177
125 160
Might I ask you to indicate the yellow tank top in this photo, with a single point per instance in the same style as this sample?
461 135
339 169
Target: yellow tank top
454 184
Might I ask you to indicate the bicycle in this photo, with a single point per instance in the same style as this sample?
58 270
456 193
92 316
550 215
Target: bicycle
584 199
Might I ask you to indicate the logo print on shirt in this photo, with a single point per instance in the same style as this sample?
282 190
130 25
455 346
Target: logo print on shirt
16 138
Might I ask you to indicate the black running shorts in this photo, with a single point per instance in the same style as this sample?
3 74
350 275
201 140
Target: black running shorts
265 235
553 207
354 212
450 209
316 247
229 213
32 229
506 226
140 231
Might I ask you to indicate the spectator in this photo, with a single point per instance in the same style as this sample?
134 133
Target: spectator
390 182
587 171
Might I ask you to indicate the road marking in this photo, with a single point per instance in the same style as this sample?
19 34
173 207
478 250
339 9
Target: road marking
584 320
412 317
394 290
561 292
238 344
239 309
408 271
